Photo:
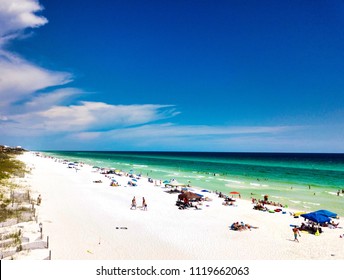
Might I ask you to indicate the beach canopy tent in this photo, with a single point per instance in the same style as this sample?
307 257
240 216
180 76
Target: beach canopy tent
189 196
316 217
327 213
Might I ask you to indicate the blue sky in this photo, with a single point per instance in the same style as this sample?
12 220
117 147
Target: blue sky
265 76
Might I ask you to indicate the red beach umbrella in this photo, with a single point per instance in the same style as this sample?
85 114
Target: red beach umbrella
234 193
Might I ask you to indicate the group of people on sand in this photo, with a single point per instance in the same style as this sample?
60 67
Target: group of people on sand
186 204
241 226
134 204
311 228
260 204
229 202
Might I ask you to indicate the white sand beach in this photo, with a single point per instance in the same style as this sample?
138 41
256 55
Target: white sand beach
93 221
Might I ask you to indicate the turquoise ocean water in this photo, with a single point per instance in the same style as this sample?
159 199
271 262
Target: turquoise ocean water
302 181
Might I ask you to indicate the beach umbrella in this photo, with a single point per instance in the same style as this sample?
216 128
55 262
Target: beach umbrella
316 217
96 167
234 193
205 191
189 196
134 180
201 195
166 181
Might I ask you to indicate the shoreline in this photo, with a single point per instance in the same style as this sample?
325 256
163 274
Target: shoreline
86 220
306 194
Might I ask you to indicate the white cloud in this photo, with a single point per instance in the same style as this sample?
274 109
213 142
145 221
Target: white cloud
45 101
98 115
19 78
25 98
172 135
95 116
16 15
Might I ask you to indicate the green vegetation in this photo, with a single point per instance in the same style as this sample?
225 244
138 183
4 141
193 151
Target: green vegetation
9 168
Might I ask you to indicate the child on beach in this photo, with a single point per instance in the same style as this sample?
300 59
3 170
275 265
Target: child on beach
296 233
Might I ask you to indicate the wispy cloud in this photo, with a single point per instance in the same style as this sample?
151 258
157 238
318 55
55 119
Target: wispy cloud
17 15
19 78
86 116
27 99
171 136
44 101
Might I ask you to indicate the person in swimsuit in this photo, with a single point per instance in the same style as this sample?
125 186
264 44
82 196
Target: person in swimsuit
296 233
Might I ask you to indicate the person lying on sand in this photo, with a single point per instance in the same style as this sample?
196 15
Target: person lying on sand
238 227
227 203
241 226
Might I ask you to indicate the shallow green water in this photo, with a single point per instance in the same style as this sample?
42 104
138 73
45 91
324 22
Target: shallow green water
302 181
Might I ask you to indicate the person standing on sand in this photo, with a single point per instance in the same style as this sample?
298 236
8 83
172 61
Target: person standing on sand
144 204
296 233
133 203
39 200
